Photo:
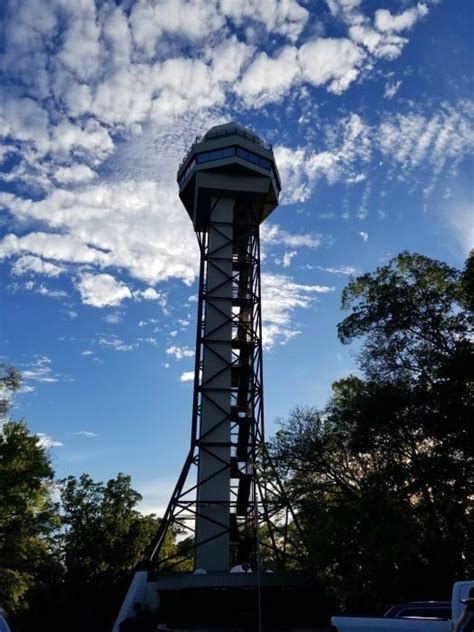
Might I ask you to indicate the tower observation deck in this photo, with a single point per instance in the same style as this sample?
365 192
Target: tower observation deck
229 506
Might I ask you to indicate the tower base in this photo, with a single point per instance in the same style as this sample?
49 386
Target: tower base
241 602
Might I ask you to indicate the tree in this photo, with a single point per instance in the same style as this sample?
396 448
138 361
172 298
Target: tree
383 474
28 516
105 538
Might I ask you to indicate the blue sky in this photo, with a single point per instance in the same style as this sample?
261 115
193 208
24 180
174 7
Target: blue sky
369 105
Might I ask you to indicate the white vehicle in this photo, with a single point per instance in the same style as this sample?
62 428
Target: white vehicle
461 590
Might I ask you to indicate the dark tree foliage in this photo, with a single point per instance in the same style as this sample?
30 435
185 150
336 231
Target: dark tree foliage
383 475
28 516
66 565
104 538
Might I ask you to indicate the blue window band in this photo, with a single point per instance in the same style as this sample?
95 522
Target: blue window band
220 154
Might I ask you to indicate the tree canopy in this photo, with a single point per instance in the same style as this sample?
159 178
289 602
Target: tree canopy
382 475
28 515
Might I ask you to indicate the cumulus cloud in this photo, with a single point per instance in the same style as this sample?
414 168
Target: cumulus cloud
99 121
179 352
330 61
108 225
101 290
268 79
285 17
29 264
187 376
75 174
363 235
386 21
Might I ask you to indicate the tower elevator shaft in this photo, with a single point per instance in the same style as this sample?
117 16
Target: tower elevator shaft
228 387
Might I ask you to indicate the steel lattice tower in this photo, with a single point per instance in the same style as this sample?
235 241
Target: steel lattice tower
229 184
228 510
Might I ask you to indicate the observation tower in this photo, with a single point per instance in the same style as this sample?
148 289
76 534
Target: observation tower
236 529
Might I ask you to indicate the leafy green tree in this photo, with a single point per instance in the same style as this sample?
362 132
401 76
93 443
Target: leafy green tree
105 538
10 382
383 474
28 516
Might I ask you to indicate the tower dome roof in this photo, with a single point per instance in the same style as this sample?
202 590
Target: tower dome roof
232 128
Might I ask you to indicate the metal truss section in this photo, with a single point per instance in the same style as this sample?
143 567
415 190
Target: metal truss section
229 506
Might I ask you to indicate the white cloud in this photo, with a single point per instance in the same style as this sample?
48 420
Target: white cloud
87 352
36 265
47 291
344 270
187 376
286 17
391 89
331 61
273 234
87 434
364 236
385 21
150 294
39 370
115 343
45 441
152 20
179 352
287 257
76 174
269 79
112 319
137 226
348 148
281 295
57 247
413 138
102 290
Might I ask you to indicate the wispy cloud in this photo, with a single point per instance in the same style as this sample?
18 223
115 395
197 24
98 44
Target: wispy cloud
341 270
391 89
40 370
45 441
281 295
87 434
115 343
273 234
